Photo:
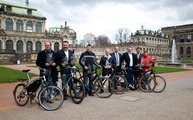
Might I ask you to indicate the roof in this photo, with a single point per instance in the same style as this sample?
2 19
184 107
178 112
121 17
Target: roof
21 9
144 31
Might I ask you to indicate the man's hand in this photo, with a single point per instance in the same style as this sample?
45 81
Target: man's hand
86 68
63 64
47 64
53 64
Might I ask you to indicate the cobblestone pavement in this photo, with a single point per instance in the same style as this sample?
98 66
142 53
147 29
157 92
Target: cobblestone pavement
175 103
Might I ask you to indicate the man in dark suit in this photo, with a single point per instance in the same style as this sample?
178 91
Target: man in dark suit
47 59
118 58
138 55
130 60
66 58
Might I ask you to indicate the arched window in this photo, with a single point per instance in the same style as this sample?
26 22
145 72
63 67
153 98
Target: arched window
29 26
9 44
56 46
19 46
38 46
188 50
29 46
181 50
38 27
19 25
9 24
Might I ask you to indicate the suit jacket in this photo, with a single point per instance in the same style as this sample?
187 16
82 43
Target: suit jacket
104 59
139 59
61 56
42 59
120 58
127 59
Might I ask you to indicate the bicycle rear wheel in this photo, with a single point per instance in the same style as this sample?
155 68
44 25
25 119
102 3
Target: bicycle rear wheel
21 95
77 91
103 87
50 98
120 85
147 84
160 84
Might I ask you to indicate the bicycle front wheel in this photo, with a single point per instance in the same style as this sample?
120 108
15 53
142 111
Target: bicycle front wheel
120 85
50 98
77 91
103 87
160 84
147 84
21 95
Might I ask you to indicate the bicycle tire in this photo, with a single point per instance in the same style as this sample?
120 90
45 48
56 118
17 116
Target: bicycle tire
21 95
50 98
160 84
77 91
120 85
147 84
103 87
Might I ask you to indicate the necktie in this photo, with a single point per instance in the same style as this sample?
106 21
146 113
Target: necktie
117 58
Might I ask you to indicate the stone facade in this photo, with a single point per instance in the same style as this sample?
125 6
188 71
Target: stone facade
183 36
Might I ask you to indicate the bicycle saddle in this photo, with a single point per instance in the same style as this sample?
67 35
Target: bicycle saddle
26 70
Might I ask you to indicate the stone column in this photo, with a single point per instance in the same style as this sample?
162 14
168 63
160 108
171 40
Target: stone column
24 25
34 26
43 26
14 24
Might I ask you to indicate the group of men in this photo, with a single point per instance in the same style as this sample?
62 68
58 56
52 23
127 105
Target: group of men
111 63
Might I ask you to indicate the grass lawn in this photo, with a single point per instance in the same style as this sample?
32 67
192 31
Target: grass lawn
10 75
159 69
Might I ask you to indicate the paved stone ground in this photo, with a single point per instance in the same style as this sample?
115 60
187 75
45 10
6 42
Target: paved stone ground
175 103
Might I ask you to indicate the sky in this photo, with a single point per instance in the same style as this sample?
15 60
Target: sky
105 17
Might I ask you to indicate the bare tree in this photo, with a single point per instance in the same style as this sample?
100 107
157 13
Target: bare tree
123 36
102 40
89 38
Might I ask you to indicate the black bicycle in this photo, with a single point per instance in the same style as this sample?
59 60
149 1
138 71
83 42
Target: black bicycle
49 97
76 87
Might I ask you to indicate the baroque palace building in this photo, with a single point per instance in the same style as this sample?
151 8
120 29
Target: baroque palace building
183 35
22 30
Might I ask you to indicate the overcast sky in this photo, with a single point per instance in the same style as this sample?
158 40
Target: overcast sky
105 17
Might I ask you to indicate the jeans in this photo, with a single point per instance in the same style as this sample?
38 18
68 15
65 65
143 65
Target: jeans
130 76
88 82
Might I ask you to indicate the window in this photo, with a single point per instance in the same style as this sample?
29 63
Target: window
29 46
29 26
38 46
9 44
38 27
188 50
56 46
189 38
9 24
181 50
65 37
19 25
19 46
182 38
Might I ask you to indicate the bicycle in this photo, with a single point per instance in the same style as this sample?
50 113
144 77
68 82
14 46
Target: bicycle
144 80
100 84
49 97
76 87
159 80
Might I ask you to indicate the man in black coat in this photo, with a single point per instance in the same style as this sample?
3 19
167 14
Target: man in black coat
130 60
66 58
138 55
47 59
107 63
87 60
118 58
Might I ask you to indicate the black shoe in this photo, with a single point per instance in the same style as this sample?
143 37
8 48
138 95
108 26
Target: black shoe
91 94
65 97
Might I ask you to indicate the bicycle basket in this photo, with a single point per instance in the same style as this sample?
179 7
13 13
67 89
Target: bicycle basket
34 85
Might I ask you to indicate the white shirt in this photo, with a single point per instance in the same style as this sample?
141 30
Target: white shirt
131 59
66 53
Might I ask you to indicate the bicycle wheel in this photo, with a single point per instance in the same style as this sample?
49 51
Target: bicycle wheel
21 95
103 87
50 98
147 84
77 91
120 85
160 84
